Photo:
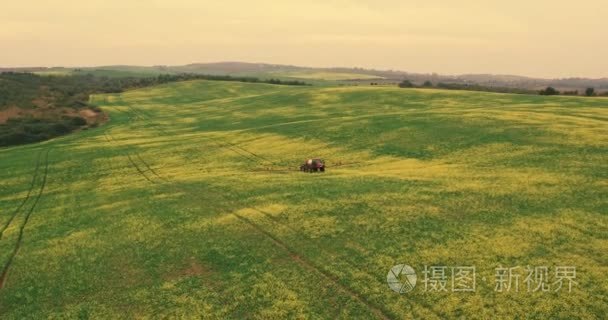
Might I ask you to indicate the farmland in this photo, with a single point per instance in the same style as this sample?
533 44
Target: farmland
331 76
188 203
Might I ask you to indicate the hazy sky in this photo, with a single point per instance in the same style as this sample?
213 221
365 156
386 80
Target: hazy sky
528 37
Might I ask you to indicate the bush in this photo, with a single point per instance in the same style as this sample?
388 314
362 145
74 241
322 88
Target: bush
550 91
12 138
96 109
406 84
78 121
476 87
27 130
60 128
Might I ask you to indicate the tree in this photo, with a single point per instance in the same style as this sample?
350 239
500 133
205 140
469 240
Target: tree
590 92
406 84
570 93
550 91
427 84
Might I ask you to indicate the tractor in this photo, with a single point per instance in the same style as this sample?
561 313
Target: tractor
313 165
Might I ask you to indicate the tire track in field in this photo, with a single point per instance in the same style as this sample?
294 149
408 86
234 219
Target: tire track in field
139 169
292 254
278 242
145 116
242 152
251 153
29 192
111 139
321 249
140 114
246 154
6 268
297 258
148 167
310 266
133 163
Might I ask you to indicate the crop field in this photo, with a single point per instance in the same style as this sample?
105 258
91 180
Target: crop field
110 72
326 75
189 203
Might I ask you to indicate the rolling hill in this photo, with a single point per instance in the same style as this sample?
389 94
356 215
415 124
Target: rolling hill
352 75
188 203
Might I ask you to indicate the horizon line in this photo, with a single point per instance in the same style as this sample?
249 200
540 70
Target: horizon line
306 67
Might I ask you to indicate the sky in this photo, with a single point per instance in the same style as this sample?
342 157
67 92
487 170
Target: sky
537 38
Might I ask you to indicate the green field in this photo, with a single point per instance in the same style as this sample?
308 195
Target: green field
188 203
326 75
110 72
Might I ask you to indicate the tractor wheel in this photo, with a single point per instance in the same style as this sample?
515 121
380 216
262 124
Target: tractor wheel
322 169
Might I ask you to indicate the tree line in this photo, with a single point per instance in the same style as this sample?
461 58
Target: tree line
22 89
589 92
464 86
549 91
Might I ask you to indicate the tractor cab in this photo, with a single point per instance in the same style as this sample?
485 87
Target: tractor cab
313 165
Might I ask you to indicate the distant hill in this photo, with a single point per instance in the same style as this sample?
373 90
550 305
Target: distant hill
340 74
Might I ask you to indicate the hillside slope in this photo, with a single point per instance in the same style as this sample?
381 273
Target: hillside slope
355 75
189 203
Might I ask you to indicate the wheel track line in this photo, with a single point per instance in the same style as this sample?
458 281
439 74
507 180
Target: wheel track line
310 266
234 148
139 170
297 258
293 255
138 114
251 153
237 152
148 166
303 262
111 139
145 116
5 270
308 239
227 147
257 158
29 192
219 145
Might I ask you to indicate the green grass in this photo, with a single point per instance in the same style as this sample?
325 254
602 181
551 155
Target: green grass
188 204
55 72
329 76
110 72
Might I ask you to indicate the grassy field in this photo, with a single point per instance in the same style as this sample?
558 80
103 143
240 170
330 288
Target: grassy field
110 72
188 203
330 76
